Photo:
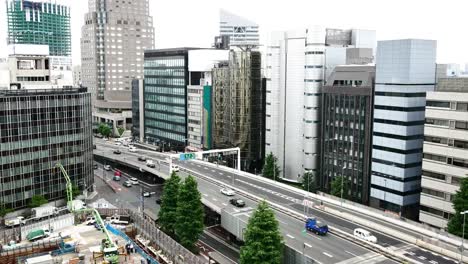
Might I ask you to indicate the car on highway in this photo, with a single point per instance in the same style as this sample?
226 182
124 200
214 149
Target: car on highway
118 152
158 201
133 181
116 178
364 234
132 149
107 167
141 158
95 166
127 184
118 143
237 202
227 192
175 168
146 194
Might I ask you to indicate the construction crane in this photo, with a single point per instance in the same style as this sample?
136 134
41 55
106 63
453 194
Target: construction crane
110 251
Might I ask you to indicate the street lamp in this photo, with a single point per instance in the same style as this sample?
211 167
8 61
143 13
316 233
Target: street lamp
342 181
463 236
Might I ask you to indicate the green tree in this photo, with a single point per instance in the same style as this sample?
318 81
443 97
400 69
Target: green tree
168 212
263 240
120 130
190 214
460 204
270 168
75 190
336 186
37 200
4 210
309 181
104 130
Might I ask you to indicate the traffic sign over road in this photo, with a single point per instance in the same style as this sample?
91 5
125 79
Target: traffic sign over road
187 156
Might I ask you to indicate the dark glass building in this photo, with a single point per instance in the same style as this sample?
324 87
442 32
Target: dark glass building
239 107
346 146
38 129
165 90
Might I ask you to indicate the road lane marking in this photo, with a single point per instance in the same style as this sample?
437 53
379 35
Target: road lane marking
291 237
205 168
214 199
221 173
225 204
327 254
422 257
206 195
433 262
213 171
351 253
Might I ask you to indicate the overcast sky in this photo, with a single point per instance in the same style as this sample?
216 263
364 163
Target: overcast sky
195 23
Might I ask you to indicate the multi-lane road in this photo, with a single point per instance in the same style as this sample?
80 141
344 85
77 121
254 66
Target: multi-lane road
330 249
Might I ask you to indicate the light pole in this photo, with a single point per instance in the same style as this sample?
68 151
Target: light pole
463 236
342 180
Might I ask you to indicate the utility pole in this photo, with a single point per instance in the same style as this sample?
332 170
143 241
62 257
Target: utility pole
142 200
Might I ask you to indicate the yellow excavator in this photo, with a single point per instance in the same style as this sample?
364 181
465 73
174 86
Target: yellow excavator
109 251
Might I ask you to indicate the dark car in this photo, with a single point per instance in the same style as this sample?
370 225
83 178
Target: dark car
118 152
94 147
141 158
127 184
158 201
237 202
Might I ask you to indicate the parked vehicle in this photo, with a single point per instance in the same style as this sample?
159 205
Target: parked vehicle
43 211
37 234
45 259
116 178
117 173
118 143
118 219
132 149
90 220
118 152
237 202
78 204
95 166
364 234
107 167
66 246
158 201
134 181
127 184
15 221
141 158
315 226
227 192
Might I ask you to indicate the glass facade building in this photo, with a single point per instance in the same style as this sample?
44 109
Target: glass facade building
38 129
43 23
165 97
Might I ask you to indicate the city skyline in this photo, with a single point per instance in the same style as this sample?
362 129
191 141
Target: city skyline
430 24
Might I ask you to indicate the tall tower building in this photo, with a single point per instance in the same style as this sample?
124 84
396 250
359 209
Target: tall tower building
241 31
41 23
113 40
405 71
297 65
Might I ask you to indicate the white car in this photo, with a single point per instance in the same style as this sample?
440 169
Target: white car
132 149
134 181
364 234
107 167
146 194
175 168
227 192
118 143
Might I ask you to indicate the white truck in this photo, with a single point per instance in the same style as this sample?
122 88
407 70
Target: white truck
78 204
15 221
46 259
118 219
44 211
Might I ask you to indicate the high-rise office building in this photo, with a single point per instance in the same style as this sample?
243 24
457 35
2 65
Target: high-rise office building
40 22
238 107
168 74
346 130
445 160
405 71
297 65
38 129
241 31
113 40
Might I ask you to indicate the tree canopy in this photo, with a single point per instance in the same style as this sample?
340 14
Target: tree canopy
37 200
270 168
168 212
309 182
104 130
460 204
336 184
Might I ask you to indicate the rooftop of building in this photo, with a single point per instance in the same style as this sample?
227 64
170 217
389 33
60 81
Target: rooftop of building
457 84
352 75
170 51
33 92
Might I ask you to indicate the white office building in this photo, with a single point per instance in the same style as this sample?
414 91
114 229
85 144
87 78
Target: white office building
445 161
241 31
405 72
297 63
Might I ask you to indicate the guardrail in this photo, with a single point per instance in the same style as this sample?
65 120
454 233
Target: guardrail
373 247
388 231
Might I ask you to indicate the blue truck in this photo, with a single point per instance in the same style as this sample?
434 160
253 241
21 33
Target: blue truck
315 226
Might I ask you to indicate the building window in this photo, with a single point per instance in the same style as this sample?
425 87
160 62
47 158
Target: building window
434 175
437 122
462 107
437 140
439 104
461 125
433 193
435 157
